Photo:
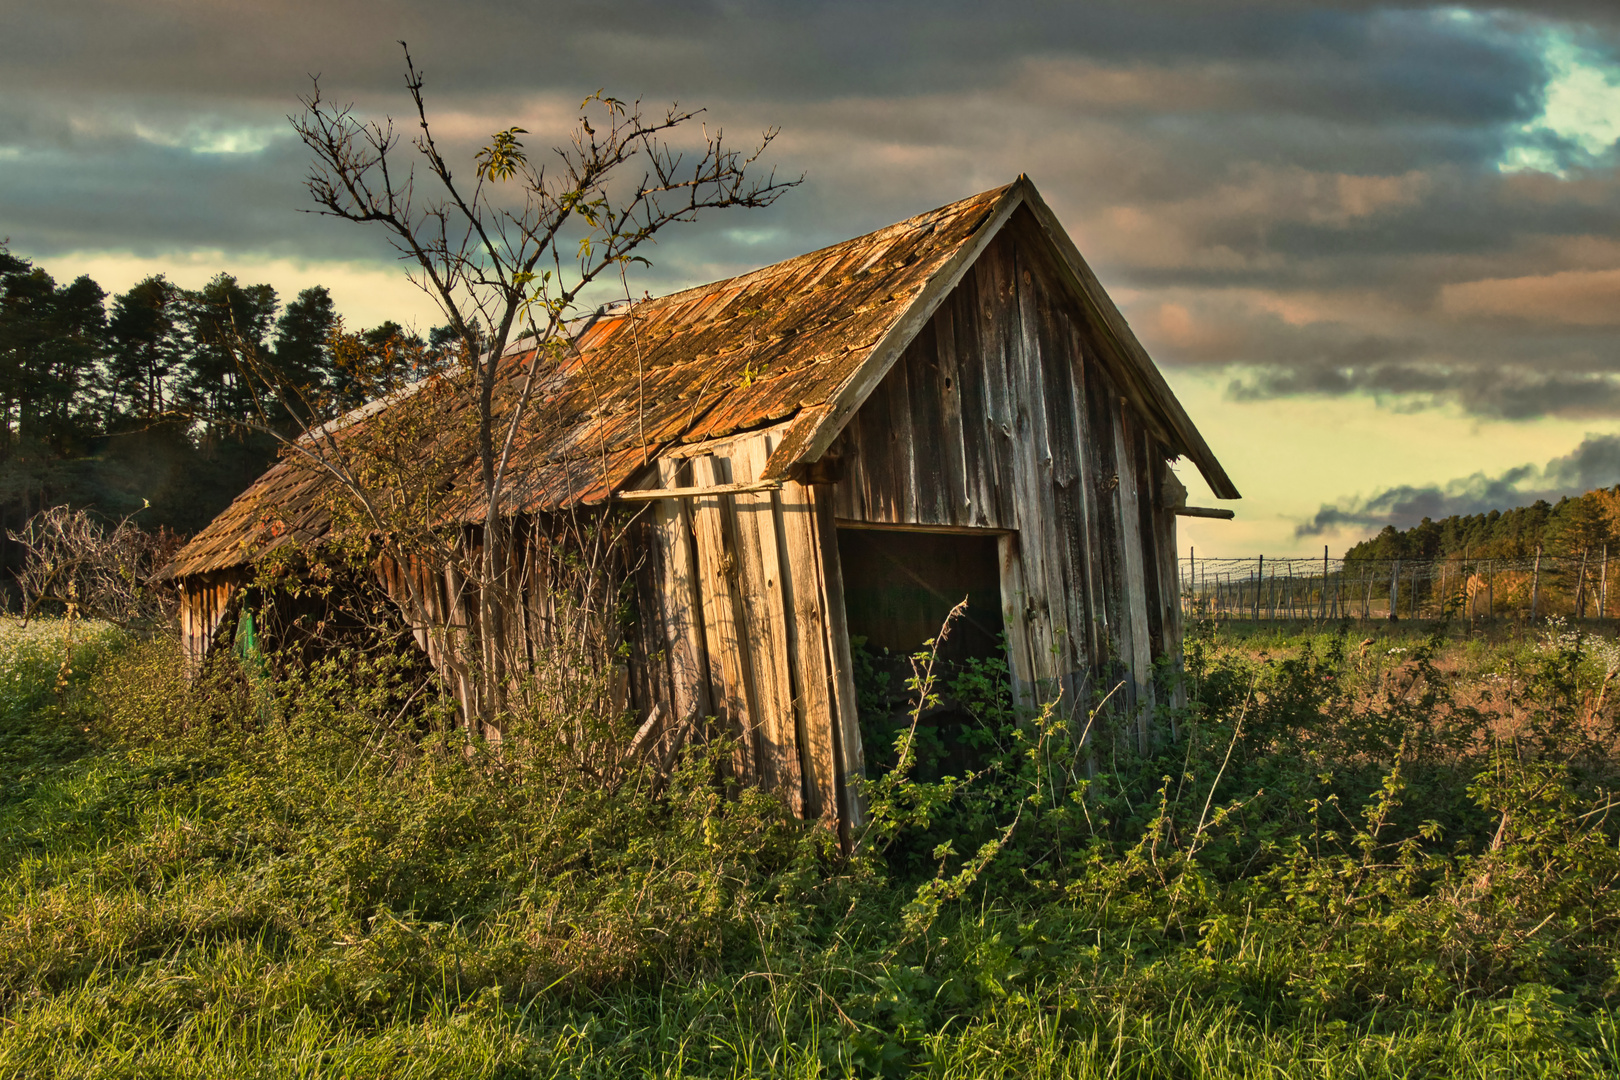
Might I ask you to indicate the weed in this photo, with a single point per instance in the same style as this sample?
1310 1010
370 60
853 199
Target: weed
1352 859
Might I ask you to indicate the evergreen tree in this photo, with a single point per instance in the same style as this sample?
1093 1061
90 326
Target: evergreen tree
227 325
303 356
147 349
52 341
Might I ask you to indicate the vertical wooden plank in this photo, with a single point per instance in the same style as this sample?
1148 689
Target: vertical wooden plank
992 277
204 603
1140 657
876 465
724 628
847 731
815 706
977 473
760 590
902 447
1148 479
188 635
1015 618
1082 556
1038 543
457 649
957 508
1061 367
681 606
1170 580
846 450
1109 541
931 482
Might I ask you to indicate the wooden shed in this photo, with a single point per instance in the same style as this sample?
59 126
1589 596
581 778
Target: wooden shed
844 443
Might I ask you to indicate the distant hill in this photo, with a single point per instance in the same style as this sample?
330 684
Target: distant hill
1572 525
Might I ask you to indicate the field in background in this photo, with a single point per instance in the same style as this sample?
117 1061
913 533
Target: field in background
1386 852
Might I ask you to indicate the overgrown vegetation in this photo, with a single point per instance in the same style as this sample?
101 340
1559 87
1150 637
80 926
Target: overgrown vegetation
1393 855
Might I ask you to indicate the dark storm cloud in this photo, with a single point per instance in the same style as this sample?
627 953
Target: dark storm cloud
1506 395
1593 464
1231 161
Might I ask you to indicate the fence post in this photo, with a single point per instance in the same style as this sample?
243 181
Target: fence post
1395 590
1324 582
1259 579
1603 584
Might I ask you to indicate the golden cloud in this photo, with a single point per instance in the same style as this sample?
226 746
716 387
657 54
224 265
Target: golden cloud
1569 297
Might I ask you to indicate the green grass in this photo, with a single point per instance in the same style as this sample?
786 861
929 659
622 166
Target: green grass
1344 867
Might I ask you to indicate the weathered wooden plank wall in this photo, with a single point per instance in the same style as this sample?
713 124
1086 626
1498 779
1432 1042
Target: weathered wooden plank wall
205 600
754 632
1003 414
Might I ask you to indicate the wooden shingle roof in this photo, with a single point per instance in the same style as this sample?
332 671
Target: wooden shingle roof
803 340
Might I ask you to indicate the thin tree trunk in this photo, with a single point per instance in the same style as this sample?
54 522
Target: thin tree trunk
1535 586
1602 586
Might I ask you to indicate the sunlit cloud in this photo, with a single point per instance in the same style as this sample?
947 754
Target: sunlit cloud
202 137
1580 113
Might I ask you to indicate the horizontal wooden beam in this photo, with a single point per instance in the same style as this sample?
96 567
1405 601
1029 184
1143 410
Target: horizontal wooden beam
907 527
654 494
1205 511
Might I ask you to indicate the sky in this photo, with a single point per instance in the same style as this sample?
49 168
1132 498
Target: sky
1375 249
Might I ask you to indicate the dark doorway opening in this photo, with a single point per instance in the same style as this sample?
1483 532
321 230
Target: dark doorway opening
899 586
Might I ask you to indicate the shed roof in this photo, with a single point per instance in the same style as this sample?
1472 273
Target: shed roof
802 341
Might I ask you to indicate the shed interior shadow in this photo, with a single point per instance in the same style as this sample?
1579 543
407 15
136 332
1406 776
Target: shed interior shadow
899 585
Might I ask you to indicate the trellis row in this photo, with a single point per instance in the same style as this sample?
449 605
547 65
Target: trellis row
1278 588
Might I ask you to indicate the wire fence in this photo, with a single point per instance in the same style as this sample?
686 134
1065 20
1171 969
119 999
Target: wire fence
1264 587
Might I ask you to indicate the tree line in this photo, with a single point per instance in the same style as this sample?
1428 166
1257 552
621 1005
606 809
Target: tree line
1571 526
141 403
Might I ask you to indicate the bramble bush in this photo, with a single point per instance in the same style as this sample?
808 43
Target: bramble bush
1390 855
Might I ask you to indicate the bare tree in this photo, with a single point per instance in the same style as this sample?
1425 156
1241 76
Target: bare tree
94 570
506 253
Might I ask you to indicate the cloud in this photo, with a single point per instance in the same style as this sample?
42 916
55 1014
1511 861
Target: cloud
1306 194
1569 297
1580 115
1593 464
1483 392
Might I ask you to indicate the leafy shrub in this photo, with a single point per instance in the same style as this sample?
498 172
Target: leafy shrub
1390 855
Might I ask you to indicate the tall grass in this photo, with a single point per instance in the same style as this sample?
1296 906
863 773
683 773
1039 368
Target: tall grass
1351 862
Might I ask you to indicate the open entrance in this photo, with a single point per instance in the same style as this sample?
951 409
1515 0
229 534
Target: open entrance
899 585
